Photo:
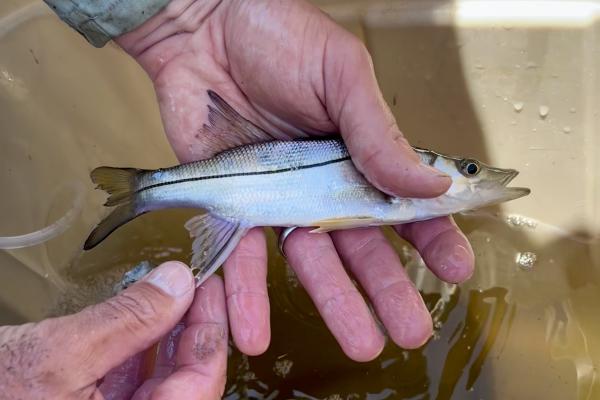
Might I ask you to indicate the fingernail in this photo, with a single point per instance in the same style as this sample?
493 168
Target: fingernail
209 339
173 278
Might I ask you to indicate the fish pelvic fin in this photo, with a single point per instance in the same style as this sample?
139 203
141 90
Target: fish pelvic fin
119 183
214 240
333 224
119 216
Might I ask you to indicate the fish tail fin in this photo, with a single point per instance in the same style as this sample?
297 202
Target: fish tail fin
119 216
119 183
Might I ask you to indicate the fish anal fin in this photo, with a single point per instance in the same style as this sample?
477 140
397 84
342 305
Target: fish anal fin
223 120
214 240
333 224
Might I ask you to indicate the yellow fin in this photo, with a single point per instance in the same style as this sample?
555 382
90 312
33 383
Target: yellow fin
333 224
119 183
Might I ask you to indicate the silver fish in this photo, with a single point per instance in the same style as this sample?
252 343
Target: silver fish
308 183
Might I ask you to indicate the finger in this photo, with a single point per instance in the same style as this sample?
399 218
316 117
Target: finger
319 269
375 264
165 356
122 381
108 333
247 297
444 248
163 363
201 360
377 146
146 391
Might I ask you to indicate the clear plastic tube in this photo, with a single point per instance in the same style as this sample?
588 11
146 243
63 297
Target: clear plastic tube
51 231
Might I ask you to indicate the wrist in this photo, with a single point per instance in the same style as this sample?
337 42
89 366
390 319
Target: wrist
178 17
101 21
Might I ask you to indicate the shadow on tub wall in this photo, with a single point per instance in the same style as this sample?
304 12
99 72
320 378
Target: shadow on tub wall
416 53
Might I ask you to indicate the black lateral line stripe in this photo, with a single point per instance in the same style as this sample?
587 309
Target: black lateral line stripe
276 171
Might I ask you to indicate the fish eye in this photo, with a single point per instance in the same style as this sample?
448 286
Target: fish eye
469 167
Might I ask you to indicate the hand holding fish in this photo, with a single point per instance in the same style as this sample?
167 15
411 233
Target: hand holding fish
236 81
290 70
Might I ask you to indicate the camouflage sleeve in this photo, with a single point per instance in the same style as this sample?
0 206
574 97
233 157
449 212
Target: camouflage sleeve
101 20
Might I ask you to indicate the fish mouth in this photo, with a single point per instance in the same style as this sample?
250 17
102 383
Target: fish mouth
509 175
510 193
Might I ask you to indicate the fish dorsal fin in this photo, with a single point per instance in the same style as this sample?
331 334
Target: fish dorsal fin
223 120
214 240
333 224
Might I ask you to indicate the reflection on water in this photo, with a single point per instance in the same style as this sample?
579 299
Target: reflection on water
507 333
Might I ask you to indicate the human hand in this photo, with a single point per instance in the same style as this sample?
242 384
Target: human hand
97 353
288 68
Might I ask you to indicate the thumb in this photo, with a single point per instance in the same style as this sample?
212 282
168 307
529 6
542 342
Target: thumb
378 148
103 336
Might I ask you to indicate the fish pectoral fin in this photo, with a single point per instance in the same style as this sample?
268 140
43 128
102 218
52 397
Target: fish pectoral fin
223 120
214 240
333 224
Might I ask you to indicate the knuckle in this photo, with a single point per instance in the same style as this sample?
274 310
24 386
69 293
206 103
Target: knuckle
359 51
369 246
369 158
137 311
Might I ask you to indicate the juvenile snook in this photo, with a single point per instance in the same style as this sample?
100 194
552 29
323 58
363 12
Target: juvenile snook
283 183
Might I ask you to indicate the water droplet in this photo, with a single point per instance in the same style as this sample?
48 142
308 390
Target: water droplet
526 260
488 239
572 110
544 111
513 122
517 66
505 98
483 106
518 106
534 129
567 129
479 66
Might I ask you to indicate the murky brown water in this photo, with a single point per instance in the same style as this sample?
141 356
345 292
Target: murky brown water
510 332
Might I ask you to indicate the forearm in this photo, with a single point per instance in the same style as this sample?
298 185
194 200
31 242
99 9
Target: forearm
102 20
